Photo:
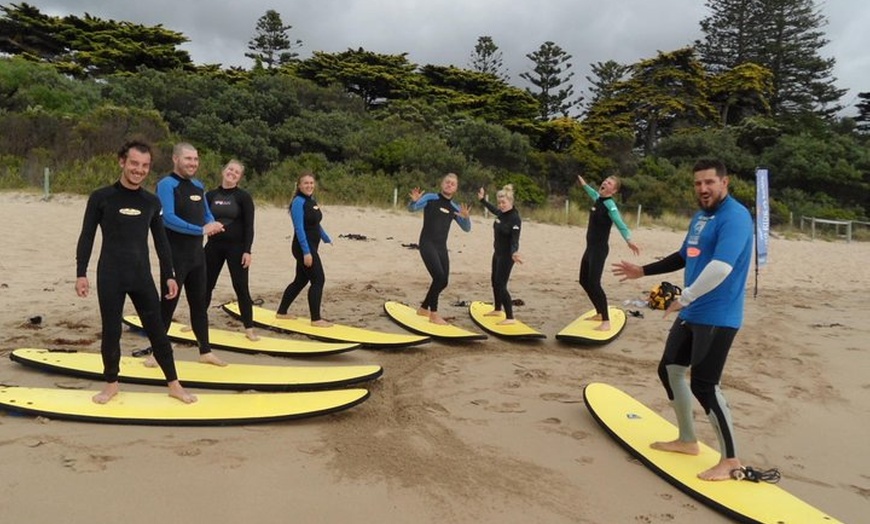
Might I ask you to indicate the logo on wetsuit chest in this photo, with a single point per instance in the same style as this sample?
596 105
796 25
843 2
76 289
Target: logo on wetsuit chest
129 211
316 208
195 198
223 203
444 210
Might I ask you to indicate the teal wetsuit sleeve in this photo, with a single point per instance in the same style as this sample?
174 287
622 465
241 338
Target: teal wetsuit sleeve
166 194
613 211
464 223
422 201
591 192
297 214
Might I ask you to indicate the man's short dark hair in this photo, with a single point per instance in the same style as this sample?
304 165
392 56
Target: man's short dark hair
135 143
711 163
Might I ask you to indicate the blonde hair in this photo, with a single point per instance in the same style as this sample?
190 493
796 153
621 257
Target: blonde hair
236 162
506 192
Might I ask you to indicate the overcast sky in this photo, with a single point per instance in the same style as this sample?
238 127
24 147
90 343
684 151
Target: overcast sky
444 32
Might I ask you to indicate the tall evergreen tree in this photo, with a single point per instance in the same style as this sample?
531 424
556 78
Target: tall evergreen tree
551 77
89 47
605 77
785 37
271 46
487 59
27 32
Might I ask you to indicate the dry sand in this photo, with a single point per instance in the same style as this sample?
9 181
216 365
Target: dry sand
488 432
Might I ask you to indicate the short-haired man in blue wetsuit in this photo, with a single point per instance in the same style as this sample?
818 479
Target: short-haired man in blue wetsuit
188 218
125 214
439 211
716 255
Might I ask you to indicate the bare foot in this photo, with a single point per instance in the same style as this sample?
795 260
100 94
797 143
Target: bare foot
596 318
178 392
423 312
186 329
722 470
508 321
321 323
285 316
494 313
150 362
110 390
253 337
605 326
211 358
677 446
435 318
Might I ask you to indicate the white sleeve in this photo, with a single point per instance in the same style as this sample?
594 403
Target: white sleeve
711 276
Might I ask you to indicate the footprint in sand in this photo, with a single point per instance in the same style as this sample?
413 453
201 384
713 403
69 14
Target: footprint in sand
560 397
87 463
507 407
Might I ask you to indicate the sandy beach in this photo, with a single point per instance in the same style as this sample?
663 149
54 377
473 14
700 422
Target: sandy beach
483 432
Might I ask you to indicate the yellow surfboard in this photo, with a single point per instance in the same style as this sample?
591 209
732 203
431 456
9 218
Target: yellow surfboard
518 330
582 330
237 341
195 374
407 317
635 427
160 409
336 332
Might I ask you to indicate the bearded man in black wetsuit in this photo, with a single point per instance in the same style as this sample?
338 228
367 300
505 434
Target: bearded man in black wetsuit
125 213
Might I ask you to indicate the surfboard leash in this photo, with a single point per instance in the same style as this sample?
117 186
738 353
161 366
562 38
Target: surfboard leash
771 475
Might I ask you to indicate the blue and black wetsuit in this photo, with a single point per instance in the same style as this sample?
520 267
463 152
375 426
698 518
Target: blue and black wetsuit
125 217
702 334
506 232
602 216
307 235
234 208
185 212
438 213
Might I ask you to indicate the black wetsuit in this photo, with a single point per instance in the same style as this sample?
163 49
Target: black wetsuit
506 233
125 217
185 212
601 219
234 208
438 213
307 236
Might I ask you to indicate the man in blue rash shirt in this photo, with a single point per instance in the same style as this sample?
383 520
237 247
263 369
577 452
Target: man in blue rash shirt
716 255
439 211
125 213
187 218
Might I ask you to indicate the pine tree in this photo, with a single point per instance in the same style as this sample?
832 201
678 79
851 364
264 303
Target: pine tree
271 46
487 59
785 37
551 77
605 77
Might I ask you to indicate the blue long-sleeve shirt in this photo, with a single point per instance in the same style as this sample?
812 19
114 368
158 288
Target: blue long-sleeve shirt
306 216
